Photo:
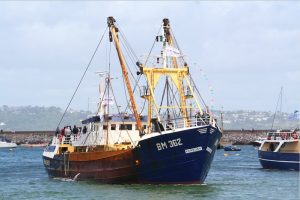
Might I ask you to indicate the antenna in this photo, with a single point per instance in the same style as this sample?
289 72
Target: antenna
279 100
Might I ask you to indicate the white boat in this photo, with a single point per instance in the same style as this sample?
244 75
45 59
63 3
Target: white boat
281 150
4 143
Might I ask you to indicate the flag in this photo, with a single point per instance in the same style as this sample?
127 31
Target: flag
159 38
108 101
294 116
171 51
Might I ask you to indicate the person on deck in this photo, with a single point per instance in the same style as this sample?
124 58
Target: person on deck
84 130
75 130
68 131
62 132
57 131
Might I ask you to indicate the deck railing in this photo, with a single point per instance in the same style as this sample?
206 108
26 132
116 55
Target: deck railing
68 139
181 123
288 135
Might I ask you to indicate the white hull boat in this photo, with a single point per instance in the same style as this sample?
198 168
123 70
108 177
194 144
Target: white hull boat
6 144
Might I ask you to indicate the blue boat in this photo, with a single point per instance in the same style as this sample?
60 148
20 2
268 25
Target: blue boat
180 140
180 156
232 148
281 150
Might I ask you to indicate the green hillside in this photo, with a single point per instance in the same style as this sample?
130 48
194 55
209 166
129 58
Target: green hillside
28 118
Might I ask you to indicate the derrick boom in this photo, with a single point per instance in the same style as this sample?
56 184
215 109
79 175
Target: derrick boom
114 37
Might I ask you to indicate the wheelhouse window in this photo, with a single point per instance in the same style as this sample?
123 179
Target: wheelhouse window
129 126
104 127
144 127
113 127
125 127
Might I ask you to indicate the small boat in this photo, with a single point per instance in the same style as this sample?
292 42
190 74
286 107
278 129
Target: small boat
34 145
280 150
4 143
232 148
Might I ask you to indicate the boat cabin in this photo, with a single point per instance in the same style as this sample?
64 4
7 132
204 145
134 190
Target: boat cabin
281 141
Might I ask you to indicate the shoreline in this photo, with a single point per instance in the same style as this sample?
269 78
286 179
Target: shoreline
234 137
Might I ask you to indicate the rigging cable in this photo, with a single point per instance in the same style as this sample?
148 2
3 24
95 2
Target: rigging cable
119 114
152 46
192 80
125 39
177 46
100 104
130 53
87 67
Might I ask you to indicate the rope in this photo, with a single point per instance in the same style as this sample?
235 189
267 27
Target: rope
87 67
198 91
177 45
125 39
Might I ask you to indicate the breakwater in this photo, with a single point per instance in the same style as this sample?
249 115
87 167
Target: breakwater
35 137
240 137
30 137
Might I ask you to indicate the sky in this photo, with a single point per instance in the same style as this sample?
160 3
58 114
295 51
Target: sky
240 53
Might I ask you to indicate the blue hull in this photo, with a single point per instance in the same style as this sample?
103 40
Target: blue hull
277 160
180 157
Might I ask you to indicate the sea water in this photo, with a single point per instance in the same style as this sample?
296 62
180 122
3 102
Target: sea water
233 175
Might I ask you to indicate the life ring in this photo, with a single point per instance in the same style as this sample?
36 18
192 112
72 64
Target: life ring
295 135
60 138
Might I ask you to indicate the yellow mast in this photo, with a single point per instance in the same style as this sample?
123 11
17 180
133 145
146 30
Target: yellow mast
169 39
113 36
176 74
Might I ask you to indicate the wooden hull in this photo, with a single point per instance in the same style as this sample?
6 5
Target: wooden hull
104 166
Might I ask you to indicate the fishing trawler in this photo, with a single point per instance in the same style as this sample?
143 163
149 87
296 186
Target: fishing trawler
179 143
100 151
172 143
280 150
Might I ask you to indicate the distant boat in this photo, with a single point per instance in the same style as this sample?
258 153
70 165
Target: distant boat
232 148
34 145
280 150
4 143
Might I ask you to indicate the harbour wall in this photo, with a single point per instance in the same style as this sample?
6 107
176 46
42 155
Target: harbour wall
30 137
35 137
